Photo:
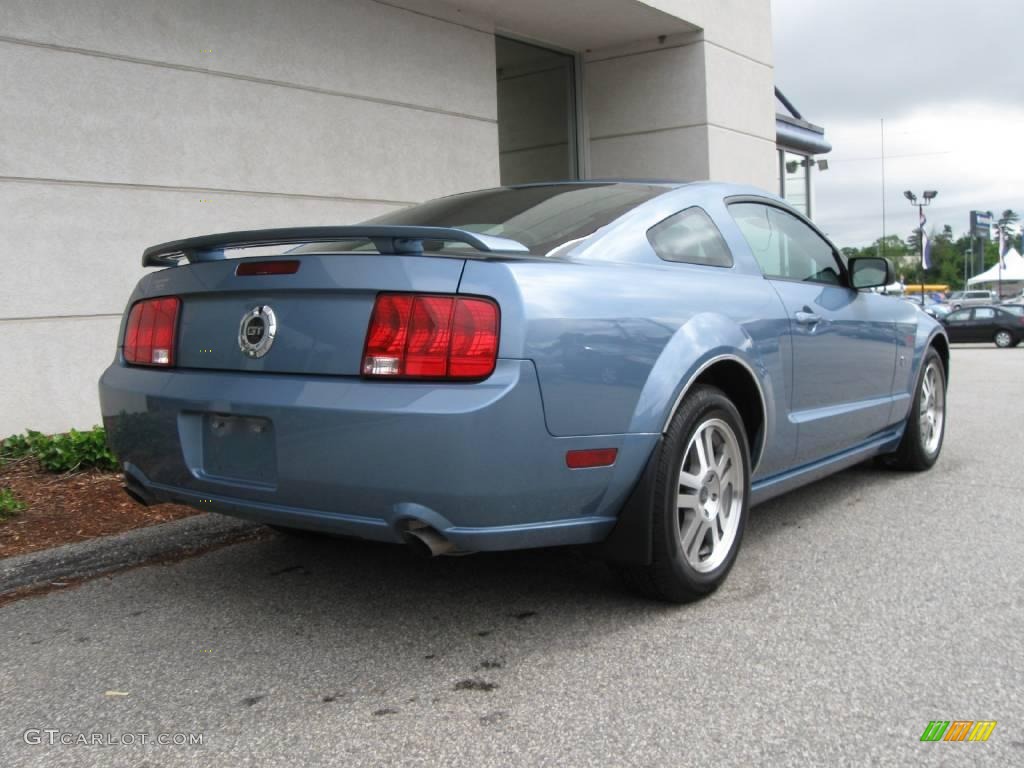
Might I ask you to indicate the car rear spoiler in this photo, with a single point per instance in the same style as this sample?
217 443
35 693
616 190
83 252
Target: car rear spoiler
386 239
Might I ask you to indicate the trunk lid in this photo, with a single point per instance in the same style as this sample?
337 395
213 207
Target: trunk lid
321 312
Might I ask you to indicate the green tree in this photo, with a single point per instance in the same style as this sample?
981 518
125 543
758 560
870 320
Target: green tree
1007 223
849 253
991 253
949 254
893 245
946 258
914 242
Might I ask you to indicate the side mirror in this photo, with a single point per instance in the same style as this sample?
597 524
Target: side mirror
870 272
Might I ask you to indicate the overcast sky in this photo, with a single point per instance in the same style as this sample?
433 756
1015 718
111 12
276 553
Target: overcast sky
947 76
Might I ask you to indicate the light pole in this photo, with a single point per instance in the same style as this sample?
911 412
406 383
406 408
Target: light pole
926 199
969 254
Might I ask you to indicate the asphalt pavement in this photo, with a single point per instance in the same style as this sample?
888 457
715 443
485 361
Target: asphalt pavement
860 609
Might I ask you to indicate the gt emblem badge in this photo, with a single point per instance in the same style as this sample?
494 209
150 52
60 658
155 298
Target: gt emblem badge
256 333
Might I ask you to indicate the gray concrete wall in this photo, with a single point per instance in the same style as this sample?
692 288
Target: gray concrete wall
695 105
646 111
130 122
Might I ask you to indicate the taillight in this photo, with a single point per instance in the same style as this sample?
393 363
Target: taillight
150 335
431 337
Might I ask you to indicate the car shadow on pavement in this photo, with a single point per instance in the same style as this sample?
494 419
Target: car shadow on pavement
338 623
294 568
816 500
303 574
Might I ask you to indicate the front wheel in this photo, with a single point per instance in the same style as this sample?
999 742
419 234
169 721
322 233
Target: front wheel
702 493
926 425
1003 339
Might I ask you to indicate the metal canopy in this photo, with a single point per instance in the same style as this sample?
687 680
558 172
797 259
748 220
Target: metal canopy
794 133
800 136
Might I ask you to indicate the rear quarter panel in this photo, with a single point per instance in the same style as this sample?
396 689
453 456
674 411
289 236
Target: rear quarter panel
615 341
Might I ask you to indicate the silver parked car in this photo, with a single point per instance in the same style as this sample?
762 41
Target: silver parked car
960 299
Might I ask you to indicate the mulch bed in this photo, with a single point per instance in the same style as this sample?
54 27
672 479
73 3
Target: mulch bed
62 509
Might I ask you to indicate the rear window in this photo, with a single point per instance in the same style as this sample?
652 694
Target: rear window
541 217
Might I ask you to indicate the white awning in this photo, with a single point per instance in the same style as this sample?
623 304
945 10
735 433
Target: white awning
1011 272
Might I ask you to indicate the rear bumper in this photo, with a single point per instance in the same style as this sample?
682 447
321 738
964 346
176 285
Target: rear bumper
364 458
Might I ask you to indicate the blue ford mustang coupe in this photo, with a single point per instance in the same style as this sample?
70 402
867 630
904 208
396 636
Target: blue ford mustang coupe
620 364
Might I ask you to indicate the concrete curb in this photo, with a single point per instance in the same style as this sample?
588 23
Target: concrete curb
109 553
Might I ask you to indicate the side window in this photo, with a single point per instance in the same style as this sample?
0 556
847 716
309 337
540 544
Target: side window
756 227
784 246
690 237
960 316
984 314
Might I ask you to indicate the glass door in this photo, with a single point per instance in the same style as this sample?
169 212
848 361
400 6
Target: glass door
536 113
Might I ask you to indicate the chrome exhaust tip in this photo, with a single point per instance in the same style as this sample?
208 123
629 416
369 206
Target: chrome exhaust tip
428 542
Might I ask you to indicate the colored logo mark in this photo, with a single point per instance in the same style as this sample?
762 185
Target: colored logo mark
958 730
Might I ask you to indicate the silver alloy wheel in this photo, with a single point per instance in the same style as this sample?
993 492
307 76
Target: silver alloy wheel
933 408
1003 339
710 499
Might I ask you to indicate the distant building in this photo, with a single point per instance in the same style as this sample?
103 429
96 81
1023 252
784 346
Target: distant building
798 143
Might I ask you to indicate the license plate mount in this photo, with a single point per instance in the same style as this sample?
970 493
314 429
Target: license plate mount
240 448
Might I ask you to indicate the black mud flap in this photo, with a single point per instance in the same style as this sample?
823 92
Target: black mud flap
630 541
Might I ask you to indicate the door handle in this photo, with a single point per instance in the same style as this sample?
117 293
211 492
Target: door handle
807 318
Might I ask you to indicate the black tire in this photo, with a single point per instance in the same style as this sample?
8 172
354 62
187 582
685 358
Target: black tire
1004 339
671 577
296 533
912 456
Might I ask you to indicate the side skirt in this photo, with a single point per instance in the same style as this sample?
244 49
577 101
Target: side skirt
776 485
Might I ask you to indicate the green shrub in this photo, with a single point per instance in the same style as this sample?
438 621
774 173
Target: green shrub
10 506
15 447
65 452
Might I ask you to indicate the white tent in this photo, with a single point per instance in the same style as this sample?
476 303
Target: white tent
1012 272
